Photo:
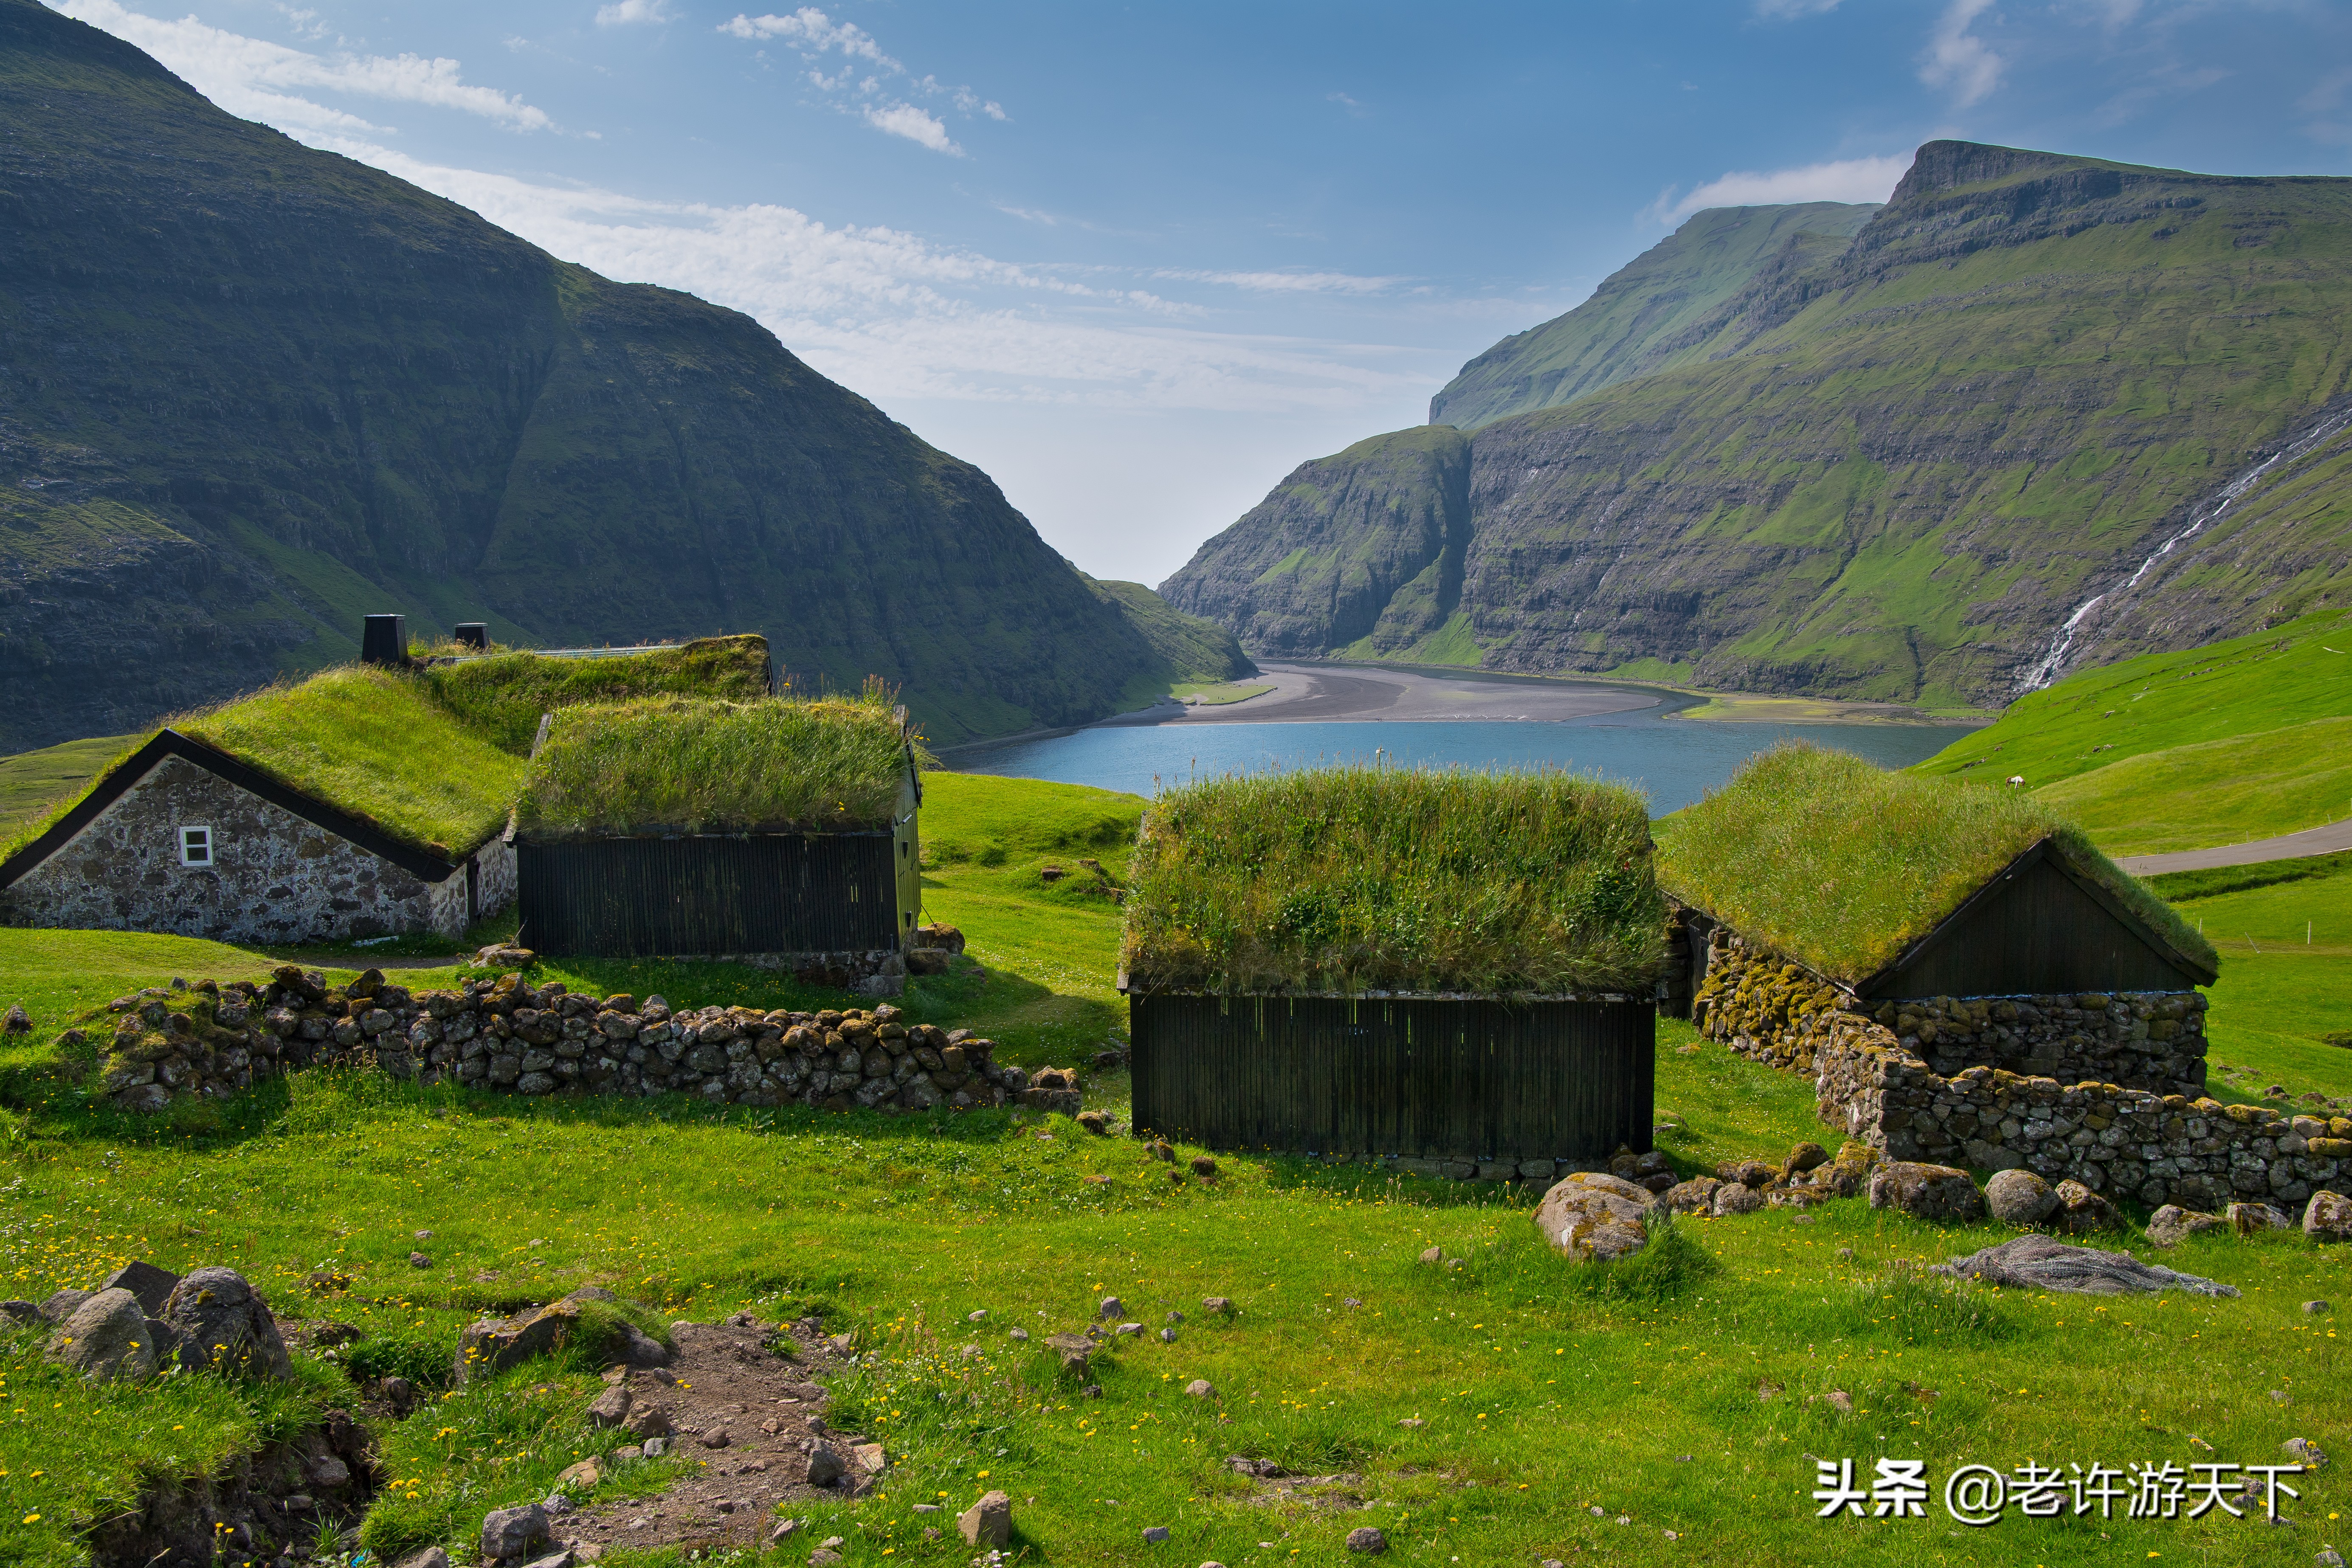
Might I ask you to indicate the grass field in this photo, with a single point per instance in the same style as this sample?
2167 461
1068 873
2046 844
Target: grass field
33 782
1666 1412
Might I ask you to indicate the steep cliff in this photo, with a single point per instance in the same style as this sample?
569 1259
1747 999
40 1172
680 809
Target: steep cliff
250 391
1657 310
1894 471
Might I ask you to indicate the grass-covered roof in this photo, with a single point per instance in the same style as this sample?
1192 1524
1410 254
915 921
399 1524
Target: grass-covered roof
503 694
1842 866
1360 879
673 764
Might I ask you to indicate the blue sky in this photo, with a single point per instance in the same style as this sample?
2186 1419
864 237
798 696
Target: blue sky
1139 261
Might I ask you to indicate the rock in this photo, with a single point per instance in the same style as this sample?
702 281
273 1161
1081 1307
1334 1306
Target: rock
492 1344
2045 1263
1694 1197
20 1312
648 1421
2019 1197
2249 1219
1130 1329
105 1339
510 1534
988 1522
152 1285
61 1305
1096 1122
1590 1216
652 1449
1937 1194
2313 1309
2329 1217
1167 1336
585 1476
1201 1388
826 1465
2084 1211
1204 1167
612 1407
1154 1534
17 1021
225 1326
1433 1255
420 1260
716 1437
2172 1224
563 1558
1112 1306
1073 1349
1736 1197
1804 1157
431 1557
1223 1306
869 1457
1747 1172
1366 1539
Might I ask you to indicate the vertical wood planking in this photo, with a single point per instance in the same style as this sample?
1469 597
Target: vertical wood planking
623 897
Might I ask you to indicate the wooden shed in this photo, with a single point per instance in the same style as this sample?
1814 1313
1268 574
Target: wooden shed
1384 964
777 832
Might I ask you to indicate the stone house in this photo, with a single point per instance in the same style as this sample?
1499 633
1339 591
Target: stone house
182 836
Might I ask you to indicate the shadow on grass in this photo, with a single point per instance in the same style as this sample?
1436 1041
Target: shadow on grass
1298 1173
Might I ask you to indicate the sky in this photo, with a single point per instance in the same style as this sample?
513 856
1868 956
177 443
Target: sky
1141 261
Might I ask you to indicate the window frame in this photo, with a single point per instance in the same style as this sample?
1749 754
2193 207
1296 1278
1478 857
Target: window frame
211 847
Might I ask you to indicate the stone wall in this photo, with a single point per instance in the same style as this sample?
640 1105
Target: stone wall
275 877
508 1035
2155 1147
1776 1011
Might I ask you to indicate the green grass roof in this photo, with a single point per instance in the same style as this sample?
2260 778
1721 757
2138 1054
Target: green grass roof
1359 879
505 693
1842 867
684 764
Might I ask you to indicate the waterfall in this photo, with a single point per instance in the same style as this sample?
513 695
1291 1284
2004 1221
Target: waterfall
2207 512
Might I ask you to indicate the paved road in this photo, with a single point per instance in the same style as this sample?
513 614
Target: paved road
2325 840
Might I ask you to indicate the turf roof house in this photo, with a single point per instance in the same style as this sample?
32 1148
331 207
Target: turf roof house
1452 971
1978 928
779 833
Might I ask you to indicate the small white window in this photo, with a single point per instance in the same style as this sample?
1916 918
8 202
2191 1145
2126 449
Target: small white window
195 846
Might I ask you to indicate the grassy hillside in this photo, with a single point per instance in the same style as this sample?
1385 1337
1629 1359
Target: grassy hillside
2244 739
1648 315
1186 650
32 784
1894 471
257 391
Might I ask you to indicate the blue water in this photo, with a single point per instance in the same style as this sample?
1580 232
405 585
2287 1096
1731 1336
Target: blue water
1674 761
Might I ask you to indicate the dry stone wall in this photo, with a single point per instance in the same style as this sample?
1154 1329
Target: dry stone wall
274 879
510 1037
2135 1143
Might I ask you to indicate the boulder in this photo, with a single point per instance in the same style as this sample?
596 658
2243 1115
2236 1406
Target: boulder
60 1304
1748 1173
493 1345
988 1522
17 1021
510 1534
2172 1224
1694 1197
2249 1219
612 1407
152 1285
224 1324
1804 1157
2082 1210
2045 1263
1847 1175
1939 1193
1592 1216
105 1339
1736 1197
1368 1539
825 1464
2329 1217
1201 1388
2019 1199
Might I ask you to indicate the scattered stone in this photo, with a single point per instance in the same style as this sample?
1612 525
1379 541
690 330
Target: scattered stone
612 1407
431 1557
785 1530
1201 1388
587 1476
1840 1401
2329 1217
1154 1534
1694 1197
1433 1257
1167 1336
1112 1306
1736 1197
420 1260
20 1311
2305 1452
988 1522
653 1448
2172 1224
509 1534
1803 1158
826 1465
2249 1219
1592 1216
2019 1197
1131 1329
2313 1309
18 1022
979 1317
1019 1336
1939 1193
60 1304
1204 1167
2084 1211
1096 1122
1366 1538
225 1325
1747 1172
716 1437
152 1285
1222 1306
1412 1423
105 1339
2044 1263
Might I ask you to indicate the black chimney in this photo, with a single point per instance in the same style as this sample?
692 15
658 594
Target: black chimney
385 641
475 635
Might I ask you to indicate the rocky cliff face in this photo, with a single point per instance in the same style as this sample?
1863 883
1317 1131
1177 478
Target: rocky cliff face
249 392
1892 472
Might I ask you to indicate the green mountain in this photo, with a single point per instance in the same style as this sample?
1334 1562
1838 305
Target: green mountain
1896 472
250 391
1655 311
1187 649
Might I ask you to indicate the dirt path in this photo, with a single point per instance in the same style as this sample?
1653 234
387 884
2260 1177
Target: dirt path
2327 840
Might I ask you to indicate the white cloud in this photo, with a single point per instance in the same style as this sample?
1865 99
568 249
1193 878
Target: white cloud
262 80
898 317
1958 59
1790 10
906 119
625 11
811 29
1843 180
1288 282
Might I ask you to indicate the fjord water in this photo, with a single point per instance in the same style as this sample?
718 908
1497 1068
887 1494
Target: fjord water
1673 761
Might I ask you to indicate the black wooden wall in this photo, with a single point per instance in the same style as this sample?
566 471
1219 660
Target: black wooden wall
2039 928
713 893
1418 1079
